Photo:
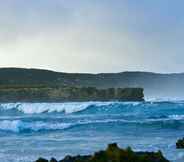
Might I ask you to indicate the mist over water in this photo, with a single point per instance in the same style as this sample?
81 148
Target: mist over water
58 129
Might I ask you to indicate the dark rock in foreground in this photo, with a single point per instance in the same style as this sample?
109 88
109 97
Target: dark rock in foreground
180 144
42 160
114 154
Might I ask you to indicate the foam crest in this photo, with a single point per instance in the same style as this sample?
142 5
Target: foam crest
176 117
71 107
20 126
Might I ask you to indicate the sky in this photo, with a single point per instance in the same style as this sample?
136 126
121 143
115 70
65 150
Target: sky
93 36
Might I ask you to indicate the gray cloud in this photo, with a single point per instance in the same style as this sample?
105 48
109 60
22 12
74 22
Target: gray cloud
91 36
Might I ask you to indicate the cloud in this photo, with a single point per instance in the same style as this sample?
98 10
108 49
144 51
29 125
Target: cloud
91 36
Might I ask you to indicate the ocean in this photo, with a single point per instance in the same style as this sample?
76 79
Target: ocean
32 130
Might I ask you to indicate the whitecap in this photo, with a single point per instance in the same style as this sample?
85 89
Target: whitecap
70 107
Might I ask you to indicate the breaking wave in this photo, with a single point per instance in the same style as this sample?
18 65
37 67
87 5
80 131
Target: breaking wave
19 126
75 107
72 107
144 114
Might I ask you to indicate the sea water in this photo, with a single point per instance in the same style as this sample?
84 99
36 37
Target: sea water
32 130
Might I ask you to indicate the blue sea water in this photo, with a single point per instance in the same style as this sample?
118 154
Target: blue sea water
31 130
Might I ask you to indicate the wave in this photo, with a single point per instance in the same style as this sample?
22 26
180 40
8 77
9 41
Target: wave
71 107
164 99
176 117
19 126
133 108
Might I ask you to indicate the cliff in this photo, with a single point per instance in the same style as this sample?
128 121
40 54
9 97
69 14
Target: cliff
63 94
154 84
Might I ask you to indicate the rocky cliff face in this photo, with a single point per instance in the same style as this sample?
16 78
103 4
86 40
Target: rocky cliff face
63 94
154 84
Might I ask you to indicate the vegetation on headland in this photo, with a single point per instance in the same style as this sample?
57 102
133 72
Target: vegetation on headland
43 93
114 154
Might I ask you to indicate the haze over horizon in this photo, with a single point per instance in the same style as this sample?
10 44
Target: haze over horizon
92 36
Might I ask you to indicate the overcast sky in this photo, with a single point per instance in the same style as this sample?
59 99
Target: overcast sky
93 35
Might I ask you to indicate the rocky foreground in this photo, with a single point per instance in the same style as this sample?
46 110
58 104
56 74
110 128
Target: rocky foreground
180 144
114 154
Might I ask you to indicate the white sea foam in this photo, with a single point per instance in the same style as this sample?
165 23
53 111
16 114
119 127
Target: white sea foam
165 99
36 108
18 125
71 107
176 117
21 126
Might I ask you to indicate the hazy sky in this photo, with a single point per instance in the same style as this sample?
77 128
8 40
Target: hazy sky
93 35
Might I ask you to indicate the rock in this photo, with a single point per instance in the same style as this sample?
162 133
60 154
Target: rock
76 159
115 154
68 93
180 144
53 160
42 160
68 158
112 146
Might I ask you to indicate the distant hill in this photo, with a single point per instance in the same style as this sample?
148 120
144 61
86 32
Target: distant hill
154 84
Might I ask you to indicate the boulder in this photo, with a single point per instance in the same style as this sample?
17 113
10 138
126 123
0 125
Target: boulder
180 144
53 160
42 160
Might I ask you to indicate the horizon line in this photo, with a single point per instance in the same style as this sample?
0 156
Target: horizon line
126 71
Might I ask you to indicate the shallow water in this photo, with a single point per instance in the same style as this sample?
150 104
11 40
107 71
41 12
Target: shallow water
31 130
